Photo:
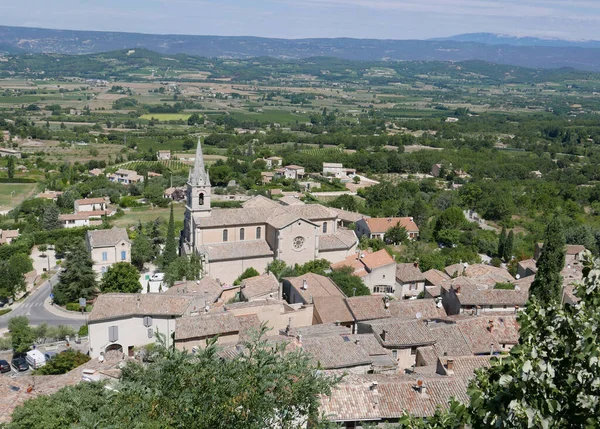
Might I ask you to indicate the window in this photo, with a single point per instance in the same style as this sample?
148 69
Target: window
395 354
258 233
123 255
201 199
113 333
103 269
413 351
225 235
105 256
412 286
383 289
324 227
242 234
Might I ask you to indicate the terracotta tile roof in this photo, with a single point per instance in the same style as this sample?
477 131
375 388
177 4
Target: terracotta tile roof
343 239
107 237
208 288
236 250
316 286
344 351
251 304
259 201
258 286
435 277
365 262
400 333
378 225
465 366
455 270
294 167
332 309
5 234
449 340
320 330
427 355
249 326
481 270
473 292
410 309
574 249
478 335
85 215
86 201
409 273
367 307
528 264
290 201
348 216
122 305
206 325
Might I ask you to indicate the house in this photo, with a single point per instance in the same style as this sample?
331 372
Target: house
163 155
290 201
6 135
401 337
96 172
293 172
347 218
125 177
107 247
433 281
436 170
78 220
91 205
8 235
266 176
377 227
123 321
526 268
410 281
9 152
480 295
332 309
175 194
377 270
209 290
273 161
197 330
275 314
49 195
231 240
305 288
337 170
260 287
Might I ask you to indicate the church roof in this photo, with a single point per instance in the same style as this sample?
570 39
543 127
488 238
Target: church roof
236 250
198 175
342 239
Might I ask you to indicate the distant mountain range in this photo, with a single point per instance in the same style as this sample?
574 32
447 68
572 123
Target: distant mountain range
525 52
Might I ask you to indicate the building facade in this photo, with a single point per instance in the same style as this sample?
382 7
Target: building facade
107 247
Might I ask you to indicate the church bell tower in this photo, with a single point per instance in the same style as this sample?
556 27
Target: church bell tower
197 203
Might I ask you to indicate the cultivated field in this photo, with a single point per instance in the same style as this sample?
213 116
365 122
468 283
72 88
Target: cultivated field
11 194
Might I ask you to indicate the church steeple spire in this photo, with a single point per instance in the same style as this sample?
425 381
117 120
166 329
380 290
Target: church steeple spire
198 175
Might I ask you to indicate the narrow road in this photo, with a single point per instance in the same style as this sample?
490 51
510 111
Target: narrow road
33 307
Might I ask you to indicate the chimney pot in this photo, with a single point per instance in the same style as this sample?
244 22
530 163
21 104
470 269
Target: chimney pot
383 334
450 365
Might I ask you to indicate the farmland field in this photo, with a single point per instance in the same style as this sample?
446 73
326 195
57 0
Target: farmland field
167 116
280 116
21 191
140 215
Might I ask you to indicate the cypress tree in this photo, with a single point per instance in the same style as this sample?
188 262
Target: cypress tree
50 218
78 279
547 286
170 253
501 242
508 246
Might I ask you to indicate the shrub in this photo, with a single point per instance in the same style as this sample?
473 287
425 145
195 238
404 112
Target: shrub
83 331
4 311
496 262
73 306
63 363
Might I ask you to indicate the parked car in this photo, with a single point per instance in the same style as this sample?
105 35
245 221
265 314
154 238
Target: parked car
4 366
20 364
50 355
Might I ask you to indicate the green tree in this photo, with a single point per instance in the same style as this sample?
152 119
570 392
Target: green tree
121 277
142 250
350 284
63 363
183 267
10 167
550 379
50 219
396 234
547 286
249 272
78 279
170 252
502 242
21 334
11 274
279 269
509 246
266 386
195 119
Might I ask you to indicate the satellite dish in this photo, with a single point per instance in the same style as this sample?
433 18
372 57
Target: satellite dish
439 304
418 315
518 276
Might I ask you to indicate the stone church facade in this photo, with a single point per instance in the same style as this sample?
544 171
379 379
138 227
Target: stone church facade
231 240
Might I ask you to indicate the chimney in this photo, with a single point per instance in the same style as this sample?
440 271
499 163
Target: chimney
383 334
516 309
304 284
373 386
478 310
457 290
421 387
450 366
288 328
491 349
337 323
299 337
416 264
357 342
491 326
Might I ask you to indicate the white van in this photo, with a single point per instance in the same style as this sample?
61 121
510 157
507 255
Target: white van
35 359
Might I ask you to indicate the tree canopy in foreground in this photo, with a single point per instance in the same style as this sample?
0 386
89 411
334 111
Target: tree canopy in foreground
264 387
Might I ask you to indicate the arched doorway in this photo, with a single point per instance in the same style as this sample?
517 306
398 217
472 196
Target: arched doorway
114 348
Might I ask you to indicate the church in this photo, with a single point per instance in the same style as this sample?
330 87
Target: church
229 241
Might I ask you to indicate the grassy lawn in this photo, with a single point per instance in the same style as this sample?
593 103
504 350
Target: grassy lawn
167 116
146 215
21 191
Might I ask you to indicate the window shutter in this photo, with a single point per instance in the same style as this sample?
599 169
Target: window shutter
150 333
113 333
147 321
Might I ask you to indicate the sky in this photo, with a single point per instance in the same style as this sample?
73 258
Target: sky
380 19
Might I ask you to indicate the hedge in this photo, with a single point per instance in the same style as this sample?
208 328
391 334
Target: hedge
4 311
17 180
